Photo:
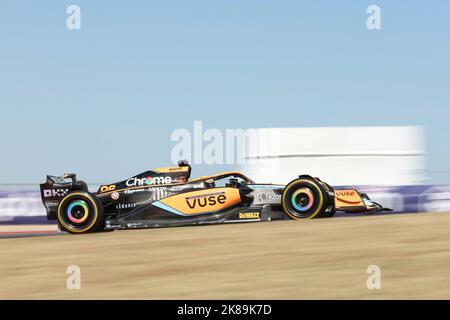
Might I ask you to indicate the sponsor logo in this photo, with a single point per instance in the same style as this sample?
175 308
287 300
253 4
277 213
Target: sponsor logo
134 224
157 189
115 195
58 180
206 200
268 197
146 181
51 193
348 193
125 206
349 197
249 215
270 186
109 225
134 191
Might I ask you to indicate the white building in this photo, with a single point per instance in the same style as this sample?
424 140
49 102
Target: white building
339 155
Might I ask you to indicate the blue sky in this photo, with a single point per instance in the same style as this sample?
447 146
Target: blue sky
102 101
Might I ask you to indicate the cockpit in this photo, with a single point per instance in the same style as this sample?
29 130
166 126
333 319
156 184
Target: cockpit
226 179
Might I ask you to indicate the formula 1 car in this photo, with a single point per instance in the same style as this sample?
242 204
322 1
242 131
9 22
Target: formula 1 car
166 197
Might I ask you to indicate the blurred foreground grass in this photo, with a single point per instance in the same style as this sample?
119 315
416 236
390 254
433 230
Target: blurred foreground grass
318 259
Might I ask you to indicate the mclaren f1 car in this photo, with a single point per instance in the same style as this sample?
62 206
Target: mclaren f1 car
166 197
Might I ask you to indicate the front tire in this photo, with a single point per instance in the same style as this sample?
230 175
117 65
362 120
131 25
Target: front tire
80 212
305 198
332 211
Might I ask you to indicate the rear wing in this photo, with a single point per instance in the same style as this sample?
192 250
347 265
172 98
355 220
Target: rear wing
55 188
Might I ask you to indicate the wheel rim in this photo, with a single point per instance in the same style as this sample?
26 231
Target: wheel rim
302 199
77 211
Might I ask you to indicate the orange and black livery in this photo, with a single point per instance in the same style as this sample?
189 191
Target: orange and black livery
166 197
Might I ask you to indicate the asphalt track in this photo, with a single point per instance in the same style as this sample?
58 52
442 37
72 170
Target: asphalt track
28 231
28 234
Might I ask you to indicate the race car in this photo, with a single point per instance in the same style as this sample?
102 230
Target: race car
167 197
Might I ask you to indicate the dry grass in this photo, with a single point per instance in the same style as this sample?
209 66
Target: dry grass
322 259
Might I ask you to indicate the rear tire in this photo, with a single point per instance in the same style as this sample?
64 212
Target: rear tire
305 198
80 212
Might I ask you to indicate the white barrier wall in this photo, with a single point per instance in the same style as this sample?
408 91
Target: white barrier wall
340 155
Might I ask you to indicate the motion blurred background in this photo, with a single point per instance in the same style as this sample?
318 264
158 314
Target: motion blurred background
351 105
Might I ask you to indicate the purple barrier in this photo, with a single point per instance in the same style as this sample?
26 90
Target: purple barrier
404 199
22 207
25 206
